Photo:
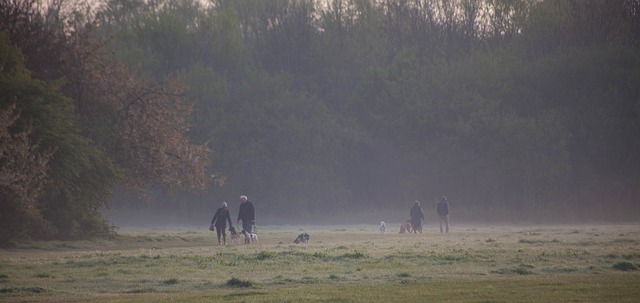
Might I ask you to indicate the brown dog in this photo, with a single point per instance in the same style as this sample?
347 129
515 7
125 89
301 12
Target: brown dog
405 227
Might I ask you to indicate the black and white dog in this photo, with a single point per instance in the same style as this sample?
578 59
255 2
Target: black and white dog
302 238
250 237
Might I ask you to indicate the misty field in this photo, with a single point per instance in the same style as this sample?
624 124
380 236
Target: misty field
350 263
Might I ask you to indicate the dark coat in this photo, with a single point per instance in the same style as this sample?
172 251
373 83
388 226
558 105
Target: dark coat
443 208
246 212
221 218
416 215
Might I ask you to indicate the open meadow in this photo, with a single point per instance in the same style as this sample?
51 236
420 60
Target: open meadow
349 263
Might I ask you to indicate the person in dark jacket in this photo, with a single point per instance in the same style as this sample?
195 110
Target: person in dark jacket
417 216
247 215
219 221
443 213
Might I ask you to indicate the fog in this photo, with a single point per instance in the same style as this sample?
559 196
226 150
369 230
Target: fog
150 215
320 112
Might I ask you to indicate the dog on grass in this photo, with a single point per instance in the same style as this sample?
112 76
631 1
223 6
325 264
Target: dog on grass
405 227
250 237
302 238
383 227
235 237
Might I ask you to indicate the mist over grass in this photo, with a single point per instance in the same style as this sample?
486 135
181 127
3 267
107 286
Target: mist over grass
155 218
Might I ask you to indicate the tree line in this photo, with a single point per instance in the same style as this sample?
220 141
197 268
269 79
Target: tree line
316 106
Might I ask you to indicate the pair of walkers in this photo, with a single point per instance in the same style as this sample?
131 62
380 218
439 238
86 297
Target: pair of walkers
246 214
417 215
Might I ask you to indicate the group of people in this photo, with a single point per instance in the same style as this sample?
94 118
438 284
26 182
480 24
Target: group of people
417 215
246 214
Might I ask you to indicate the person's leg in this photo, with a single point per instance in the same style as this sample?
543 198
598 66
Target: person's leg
446 221
224 236
441 221
219 234
247 226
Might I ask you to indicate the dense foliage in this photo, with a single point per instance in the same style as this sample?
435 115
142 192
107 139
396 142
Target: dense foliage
76 123
322 106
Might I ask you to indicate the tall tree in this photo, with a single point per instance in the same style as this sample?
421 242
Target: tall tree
23 164
70 175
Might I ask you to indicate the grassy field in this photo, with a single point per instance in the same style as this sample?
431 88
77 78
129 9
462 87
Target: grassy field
594 263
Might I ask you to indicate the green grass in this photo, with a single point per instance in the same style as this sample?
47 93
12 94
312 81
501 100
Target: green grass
340 264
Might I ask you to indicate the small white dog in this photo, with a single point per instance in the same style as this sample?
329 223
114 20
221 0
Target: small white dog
383 227
252 237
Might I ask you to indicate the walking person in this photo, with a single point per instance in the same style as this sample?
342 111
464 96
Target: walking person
417 216
219 222
247 215
443 213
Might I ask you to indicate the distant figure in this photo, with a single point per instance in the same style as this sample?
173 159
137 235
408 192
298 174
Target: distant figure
417 216
383 227
247 215
220 220
443 213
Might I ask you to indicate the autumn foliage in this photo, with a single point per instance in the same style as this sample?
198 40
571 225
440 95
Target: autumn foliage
76 123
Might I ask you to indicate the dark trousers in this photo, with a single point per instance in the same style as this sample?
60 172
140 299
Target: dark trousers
220 230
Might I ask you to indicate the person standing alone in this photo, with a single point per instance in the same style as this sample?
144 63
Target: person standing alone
417 216
220 220
247 215
443 213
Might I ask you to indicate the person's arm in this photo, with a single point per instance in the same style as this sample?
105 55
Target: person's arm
229 219
215 216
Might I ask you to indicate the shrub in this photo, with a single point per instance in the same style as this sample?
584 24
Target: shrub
625 266
263 255
170 281
235 282
354 255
